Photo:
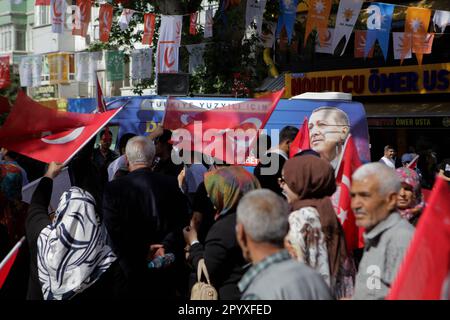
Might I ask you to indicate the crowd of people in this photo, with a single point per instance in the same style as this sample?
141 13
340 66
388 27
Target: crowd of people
134 225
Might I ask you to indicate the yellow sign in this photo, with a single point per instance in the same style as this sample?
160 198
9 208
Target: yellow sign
428 78
59 64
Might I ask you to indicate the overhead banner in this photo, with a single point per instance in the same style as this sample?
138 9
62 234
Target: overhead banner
167 56
195 56
208 32
424 79
401 40
58 15
379 26
254 16
325 44
83 19
114 65
441 20
346 17
5 78
141 64
318 14
416 24
125 18
105 17
149 28
286 19
26 72
36 71
193 23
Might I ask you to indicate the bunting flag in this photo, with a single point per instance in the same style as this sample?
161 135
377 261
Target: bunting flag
301 141
26 72
347 15
416 24
36 71
441 19
5 78
82 66
105 18
168 44
425 271
125 18
254 16
423 44
58 64
83 18
114 65
401 40
325 44
58 15
218 133
318 14
149 28
288 12
349 163
195 56
268 36
42 3
46 134
193 23
141 64
8 261
379 26
208 32
360 44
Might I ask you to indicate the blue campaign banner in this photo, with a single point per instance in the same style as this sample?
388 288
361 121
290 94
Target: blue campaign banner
288 13
141 114
379 26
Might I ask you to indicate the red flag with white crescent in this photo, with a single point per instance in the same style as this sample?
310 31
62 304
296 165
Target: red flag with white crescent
149 28
193 24
84 18
47 134
8 261
105 18
301 141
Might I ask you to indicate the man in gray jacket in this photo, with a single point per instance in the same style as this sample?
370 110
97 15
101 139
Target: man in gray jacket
262 225
387 235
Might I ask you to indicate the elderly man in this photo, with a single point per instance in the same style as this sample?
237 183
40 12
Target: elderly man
262 225
141 209
374 193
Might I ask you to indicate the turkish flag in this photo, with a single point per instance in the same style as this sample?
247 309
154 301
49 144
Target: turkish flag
301 141
47 134
193 24
5 79
149 28
349 163
7 263
42 3
425 271
84 18
105 18
225 133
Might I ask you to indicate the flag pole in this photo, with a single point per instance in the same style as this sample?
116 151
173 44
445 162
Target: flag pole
336 171
8 256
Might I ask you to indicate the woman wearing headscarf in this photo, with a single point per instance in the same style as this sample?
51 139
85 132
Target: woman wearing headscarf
409 199
222 254
69 255
316 236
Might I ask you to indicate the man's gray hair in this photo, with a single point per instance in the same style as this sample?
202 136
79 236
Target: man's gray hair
140 150
264 215
341 115
387 178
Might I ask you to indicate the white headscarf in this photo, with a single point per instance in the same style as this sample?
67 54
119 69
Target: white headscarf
72 251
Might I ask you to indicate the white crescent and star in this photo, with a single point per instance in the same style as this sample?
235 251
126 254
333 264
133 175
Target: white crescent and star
69 137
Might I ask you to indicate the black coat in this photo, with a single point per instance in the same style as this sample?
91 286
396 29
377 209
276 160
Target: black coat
107 286
223 257
270 181
140 209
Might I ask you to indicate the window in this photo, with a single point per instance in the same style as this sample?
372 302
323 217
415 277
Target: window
5 39
20 41
43 15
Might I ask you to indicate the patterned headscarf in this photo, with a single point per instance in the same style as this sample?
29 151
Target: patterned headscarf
226 186
411 178
72 251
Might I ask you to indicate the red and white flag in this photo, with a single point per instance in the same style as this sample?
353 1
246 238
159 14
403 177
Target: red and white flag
47 134
413 164
425 271
349 163
7 263
83 19
5 78
58 15
105 18
301 141
149 28
193 24
168 44
42 3
225 133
